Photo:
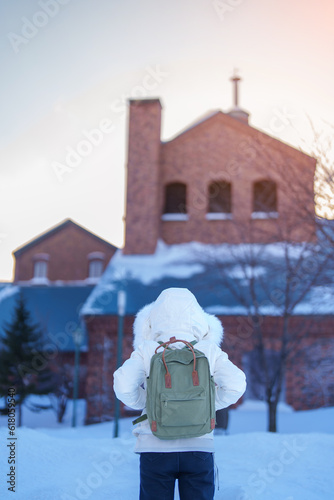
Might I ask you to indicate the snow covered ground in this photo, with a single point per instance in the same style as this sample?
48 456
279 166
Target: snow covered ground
61 463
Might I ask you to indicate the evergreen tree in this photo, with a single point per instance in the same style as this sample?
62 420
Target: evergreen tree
22 363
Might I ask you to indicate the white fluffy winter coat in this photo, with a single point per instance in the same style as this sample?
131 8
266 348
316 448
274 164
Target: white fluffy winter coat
176 312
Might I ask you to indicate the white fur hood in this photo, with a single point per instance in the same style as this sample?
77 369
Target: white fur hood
176 312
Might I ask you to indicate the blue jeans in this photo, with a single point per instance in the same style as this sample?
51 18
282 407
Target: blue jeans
193 469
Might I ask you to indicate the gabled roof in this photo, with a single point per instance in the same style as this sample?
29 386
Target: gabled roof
54 309
241 127
54 230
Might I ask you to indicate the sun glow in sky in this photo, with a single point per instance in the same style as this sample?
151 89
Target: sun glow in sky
69 66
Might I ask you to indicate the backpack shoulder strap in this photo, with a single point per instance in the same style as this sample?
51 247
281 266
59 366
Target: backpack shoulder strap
139 419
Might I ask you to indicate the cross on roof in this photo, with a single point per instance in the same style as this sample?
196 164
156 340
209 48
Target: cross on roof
236 79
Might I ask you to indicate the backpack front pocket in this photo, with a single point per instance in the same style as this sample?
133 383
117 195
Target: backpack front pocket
179 409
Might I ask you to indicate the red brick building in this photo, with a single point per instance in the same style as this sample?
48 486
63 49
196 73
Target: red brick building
55 273
220 181
65 253
219 186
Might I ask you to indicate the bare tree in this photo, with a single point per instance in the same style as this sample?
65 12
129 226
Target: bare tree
63 389
322 148
269 280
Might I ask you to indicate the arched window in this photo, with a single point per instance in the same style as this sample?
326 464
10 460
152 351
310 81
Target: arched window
264 197
175 198
95 268
41 261
96 264
220 197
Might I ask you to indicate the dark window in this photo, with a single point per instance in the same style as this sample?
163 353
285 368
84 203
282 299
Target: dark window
175 198
264 197
220 197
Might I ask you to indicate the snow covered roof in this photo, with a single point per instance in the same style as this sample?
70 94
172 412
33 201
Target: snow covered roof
218 275
54 308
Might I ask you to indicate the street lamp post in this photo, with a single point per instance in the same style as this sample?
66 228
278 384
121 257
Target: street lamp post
121 302
77 338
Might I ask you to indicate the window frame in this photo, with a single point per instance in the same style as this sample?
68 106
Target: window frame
93 259
220 214
41 267
171 208
261 209
93 265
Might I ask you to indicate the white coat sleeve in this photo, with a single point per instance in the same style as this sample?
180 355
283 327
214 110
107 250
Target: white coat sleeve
230 382
129 380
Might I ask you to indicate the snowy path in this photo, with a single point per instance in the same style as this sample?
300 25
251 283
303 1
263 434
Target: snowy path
87 463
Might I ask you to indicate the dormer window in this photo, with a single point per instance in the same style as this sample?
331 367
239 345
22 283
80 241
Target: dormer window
96 264
219 200
41 266
264 199
175 202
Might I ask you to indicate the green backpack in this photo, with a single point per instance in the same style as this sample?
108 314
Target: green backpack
180 393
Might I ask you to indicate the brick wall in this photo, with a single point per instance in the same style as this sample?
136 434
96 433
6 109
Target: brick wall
309 375
102 333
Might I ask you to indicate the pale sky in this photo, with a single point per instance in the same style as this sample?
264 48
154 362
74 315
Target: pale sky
69 66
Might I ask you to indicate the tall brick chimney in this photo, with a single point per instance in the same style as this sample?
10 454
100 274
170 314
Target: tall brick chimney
142 199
